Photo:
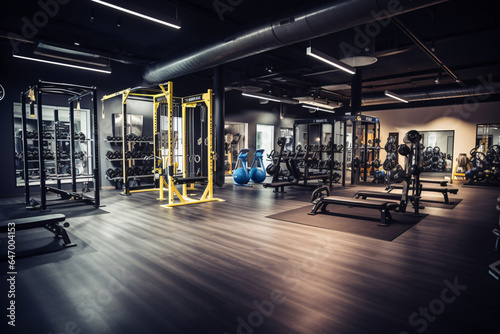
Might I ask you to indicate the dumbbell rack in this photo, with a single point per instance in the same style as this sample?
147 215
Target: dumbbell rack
128 162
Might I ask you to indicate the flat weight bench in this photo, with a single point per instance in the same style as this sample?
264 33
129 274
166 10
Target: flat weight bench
442 183
383 207
376 194
319 177
189 180
49 222
444 191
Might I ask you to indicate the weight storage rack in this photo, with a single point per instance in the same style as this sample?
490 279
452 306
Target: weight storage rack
33 97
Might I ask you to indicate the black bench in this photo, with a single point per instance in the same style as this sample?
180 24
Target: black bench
383 206
64 194
377 194
444 191
323 177
189 180
49 222
279 187
442 183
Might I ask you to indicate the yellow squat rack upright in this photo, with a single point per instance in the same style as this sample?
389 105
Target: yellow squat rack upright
184 179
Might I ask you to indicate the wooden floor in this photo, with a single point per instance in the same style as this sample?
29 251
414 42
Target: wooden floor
223 267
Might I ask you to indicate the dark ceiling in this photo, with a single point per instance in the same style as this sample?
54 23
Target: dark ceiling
464 35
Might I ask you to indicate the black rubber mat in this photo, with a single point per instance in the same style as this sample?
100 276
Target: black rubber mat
359 221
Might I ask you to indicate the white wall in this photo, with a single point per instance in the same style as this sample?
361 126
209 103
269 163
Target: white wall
462 118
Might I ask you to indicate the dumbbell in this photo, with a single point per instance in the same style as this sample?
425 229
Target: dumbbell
138 171
110 173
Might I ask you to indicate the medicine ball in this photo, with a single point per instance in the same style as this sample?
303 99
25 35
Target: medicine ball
240 176
257 175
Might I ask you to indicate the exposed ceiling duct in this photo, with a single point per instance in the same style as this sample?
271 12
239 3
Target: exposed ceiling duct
437 94
327 19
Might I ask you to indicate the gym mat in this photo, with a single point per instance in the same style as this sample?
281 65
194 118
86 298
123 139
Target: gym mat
69 209
363 222
440 204
38 246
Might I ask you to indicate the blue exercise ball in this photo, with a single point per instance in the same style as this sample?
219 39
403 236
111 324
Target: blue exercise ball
257 175
240 176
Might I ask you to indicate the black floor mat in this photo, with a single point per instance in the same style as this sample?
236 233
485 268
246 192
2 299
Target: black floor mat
39 246
441 204
359 221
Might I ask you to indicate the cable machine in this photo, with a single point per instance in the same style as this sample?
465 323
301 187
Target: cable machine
190 176
75 93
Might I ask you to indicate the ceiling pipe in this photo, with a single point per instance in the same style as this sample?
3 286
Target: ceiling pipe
319 21
428 52
436 94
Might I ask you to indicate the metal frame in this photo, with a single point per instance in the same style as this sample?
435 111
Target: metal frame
75 92
365 121
159 96
207 196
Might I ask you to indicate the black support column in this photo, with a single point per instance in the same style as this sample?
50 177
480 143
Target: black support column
95 143
356 86
25 150
41 159
219 110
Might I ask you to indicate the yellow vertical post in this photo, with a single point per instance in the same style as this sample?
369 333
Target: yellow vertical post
211 154
125 95
184 148
170 125
156 105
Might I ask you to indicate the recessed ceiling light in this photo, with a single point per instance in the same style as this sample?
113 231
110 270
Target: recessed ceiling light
395 96
329 60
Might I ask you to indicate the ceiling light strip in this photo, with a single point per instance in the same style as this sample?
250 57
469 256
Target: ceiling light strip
329 60
128 11
262 97
62 64
395 96
317 108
